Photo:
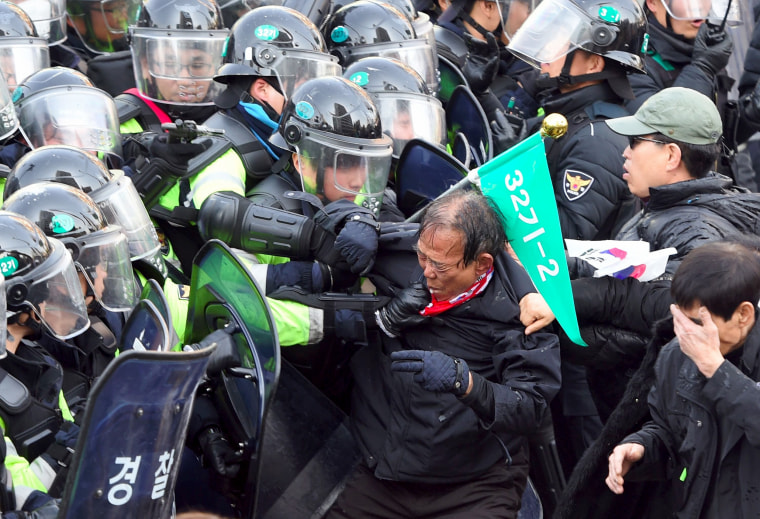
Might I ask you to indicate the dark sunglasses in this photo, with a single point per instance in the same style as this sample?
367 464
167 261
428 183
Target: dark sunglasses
633 139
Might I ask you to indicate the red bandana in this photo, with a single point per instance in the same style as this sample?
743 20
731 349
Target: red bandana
436 307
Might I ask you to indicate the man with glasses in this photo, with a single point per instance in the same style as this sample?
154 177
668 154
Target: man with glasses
668 163
449 387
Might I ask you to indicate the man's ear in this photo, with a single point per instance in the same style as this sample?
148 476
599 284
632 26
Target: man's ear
674 156
746 311
595 64
653 5
484 263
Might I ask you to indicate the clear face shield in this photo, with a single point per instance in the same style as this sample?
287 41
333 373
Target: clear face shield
352 169
553 30
122 206
713 10
293 67
102 25
178 67
55 295
417 54
21 57
514 13
103 258
48 16
406 116
79 116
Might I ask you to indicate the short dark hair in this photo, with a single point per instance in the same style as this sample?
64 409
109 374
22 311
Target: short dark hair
699 159
719 275
473 215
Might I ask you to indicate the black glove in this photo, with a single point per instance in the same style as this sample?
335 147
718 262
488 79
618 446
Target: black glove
357 243
356 231
403 310
176 156
312 276
436 371
37 505
506 131
711 49
482 62
218 454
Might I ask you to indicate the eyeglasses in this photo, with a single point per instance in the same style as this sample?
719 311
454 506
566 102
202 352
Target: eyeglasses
439 268
633 139
172 68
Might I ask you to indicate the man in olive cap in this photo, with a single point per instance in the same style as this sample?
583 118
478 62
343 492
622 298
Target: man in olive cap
673 147
672 138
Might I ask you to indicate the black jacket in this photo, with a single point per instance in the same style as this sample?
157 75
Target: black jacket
409 434
705 433
668 64
586 495
586 164
679 215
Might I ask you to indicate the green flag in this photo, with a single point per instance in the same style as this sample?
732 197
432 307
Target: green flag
519 183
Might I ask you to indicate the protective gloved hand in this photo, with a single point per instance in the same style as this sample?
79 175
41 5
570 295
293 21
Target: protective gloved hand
711 49
67 435
403 310
218 454
38 505
506 131
357 243
482 62
436 371
312 276
175 156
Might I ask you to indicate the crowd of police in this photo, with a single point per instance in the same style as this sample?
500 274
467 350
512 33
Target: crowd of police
133 132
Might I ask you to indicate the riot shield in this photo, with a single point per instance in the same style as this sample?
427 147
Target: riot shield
465 115
145 329
424 172
222 293
451 77
298 443
153 292
127 455
307 453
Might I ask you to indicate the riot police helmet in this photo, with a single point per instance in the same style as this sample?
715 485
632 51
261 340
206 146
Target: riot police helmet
278 43
177 47
99 250
22 51
335 133
59 105
406 107
40 279
111 190
368 28
102 25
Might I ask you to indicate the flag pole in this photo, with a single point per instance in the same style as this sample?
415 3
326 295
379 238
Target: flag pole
553 126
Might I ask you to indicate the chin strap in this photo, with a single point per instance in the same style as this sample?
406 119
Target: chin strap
544 82
482 30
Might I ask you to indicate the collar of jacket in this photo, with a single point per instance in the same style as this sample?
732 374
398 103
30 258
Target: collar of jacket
670 46
577 100
670 194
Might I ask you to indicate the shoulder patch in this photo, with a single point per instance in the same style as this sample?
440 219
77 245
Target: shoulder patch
577 184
